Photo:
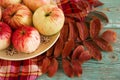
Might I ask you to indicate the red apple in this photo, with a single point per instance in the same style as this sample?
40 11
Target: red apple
34 4
5 35
0 12
26 39
48 19
6 3
17 15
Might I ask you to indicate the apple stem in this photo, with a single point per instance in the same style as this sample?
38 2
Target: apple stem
48 14
13 14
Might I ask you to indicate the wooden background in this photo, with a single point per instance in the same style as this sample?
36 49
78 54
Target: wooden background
109 67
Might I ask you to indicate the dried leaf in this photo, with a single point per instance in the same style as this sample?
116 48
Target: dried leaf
41 57
109 36
104 45
69 19
74 17
97 3
84 56
69 46
102 16
53 67
74 6
58 47
77 68
50 51
64 32
95 27
78 40
77 51
94 50
71 31
46 63
83 30
68 70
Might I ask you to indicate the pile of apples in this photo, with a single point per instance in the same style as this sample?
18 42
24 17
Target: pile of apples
22 22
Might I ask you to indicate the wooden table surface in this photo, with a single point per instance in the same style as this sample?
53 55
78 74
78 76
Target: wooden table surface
109 67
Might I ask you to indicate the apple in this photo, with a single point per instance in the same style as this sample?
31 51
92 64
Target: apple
48 19
26 39
5 35
0 12
34 4
6 3
17 15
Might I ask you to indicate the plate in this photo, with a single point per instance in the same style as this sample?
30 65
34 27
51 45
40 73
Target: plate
44 46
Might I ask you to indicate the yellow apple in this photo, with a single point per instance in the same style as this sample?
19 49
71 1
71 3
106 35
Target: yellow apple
48 19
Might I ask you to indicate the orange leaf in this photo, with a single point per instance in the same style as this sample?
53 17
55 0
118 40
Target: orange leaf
84 56
77 51
104 45
95 27
53 67
94 50
69 45
77 68
83 31
68 70
46 63
58 47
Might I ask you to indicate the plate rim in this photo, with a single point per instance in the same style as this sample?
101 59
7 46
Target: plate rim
30 57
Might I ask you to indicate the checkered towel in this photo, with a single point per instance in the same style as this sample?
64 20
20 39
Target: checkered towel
30 69
20 70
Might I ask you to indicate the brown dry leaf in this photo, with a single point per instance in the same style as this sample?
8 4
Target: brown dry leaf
97 3
77 68
50 51
74 16
46 63
64 32
58 47
83 30
41 57
53 67
104 45
84 56
69 46
77 51
71 30
68 70
109 36
95 27
102 16
94 50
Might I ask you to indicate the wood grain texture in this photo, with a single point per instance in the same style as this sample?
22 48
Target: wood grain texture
109 67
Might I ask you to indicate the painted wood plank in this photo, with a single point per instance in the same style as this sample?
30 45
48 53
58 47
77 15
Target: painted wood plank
112 9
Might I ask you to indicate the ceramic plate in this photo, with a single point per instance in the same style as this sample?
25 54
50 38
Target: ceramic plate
44 46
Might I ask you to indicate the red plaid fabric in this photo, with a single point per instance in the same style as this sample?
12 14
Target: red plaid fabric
30 69
20 70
